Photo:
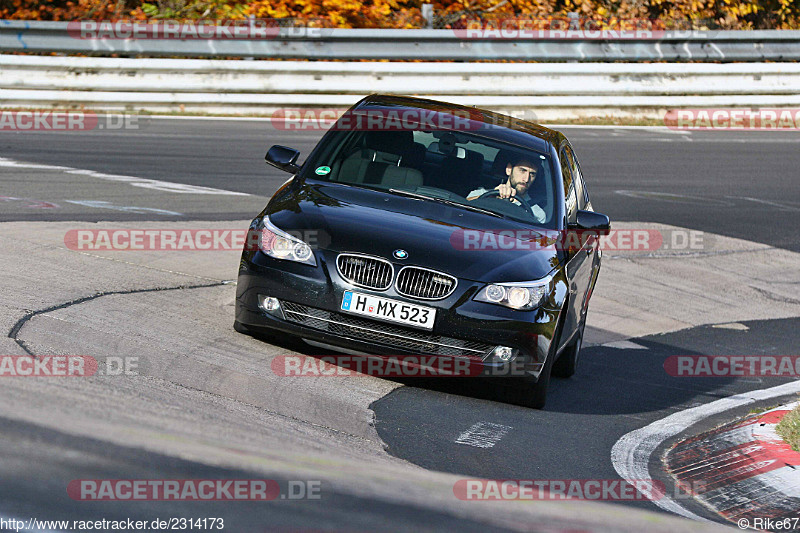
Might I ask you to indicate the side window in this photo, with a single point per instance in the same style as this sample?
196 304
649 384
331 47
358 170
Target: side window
567 164
580 189
585 195
566 168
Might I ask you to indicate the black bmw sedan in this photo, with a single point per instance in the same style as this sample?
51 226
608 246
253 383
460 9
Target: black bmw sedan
421 227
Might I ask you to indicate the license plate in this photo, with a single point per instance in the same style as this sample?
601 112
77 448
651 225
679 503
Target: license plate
389 310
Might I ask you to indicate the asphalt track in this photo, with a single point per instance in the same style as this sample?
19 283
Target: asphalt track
586 414
740 185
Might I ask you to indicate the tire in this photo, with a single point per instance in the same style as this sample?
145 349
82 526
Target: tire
529 393
536 395
525 391
568 362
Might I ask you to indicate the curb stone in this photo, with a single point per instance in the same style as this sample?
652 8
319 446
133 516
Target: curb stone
743 471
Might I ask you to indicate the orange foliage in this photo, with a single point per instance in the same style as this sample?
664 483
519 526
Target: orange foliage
63 9
700 14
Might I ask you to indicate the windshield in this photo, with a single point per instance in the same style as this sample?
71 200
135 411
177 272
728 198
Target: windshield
460 167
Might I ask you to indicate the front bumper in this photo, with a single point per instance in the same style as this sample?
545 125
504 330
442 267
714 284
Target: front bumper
311 300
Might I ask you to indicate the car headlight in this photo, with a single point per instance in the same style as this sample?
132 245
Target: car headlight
523 295
280 245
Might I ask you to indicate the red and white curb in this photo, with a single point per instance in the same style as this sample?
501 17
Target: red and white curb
743 471
631 454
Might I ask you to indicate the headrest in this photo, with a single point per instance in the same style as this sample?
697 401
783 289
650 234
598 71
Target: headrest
393 142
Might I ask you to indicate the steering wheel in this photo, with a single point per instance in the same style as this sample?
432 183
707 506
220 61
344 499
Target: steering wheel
522 201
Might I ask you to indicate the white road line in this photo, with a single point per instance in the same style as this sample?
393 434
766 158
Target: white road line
737 326
158 185
780 206
667 129
673 197
483 435
631 454
625 345
102 204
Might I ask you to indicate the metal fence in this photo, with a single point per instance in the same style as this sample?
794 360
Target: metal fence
551 78
544 90
438 44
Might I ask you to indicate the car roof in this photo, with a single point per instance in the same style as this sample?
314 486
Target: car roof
482 122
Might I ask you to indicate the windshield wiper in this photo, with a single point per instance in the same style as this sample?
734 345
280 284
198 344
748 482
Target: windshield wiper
446 202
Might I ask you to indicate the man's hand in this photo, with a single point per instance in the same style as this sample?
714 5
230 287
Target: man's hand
506 190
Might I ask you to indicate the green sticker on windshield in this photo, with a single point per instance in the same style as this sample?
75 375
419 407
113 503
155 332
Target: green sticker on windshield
322 170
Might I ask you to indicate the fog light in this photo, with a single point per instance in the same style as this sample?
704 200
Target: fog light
504 353
268 303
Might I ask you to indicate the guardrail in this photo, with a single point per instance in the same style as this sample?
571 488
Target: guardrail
344 44
547 91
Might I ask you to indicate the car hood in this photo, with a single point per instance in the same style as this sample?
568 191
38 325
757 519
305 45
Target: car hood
463 243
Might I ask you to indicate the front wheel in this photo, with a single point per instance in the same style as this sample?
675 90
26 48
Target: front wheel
568 362
526 392
536 394
533 394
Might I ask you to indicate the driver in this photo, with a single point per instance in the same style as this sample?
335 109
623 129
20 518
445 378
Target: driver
521 172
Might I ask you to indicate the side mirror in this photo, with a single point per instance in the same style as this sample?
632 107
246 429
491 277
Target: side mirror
283 158
591 221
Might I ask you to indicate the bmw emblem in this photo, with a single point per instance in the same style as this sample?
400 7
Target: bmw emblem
400 254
